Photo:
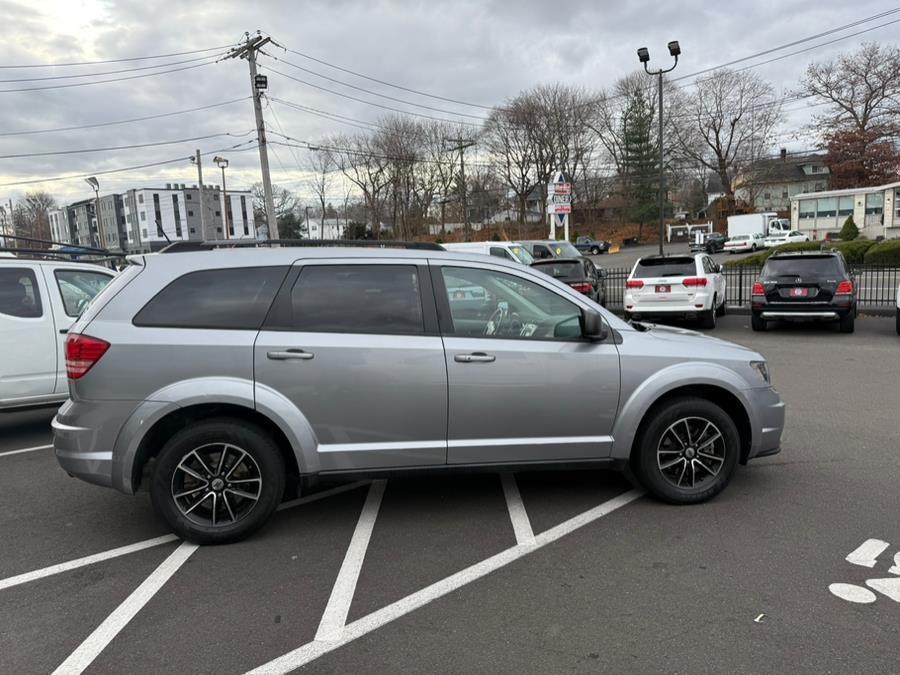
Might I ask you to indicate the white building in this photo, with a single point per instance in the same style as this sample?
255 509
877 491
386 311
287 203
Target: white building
875 210
59 226
331 228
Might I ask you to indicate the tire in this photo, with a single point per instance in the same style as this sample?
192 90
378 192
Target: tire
627 316
848 323
595 250
898 322
661 465
758 323
721 310
708 318
753 248
177 466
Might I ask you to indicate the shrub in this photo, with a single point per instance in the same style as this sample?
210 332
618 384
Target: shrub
849 231
854 251
884 253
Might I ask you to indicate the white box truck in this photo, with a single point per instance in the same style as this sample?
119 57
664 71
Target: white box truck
757 223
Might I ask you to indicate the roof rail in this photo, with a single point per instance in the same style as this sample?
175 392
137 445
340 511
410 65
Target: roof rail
190 246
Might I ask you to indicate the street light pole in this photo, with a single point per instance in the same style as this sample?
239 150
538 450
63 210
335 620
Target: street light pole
94 183
644 57
222 163
196 160
461 145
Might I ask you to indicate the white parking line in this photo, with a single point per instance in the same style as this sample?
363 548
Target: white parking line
331 627
150 543
19 452
97 641
517 513
312 650
87 560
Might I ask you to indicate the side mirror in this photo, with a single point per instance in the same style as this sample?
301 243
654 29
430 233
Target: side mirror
593 327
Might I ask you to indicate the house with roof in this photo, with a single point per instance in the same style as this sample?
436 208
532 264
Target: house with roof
771 184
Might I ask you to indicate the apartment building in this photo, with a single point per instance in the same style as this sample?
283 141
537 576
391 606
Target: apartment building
875 210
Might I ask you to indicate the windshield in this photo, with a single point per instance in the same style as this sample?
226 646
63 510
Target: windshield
805 266
665 267
523 256
563 249
740 237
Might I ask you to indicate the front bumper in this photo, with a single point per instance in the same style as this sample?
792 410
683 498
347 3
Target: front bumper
767 412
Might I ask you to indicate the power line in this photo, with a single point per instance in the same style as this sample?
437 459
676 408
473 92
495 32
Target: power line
119 147
373 93
116 79
107 72
32 181
360 100
134 119
125 60
334 117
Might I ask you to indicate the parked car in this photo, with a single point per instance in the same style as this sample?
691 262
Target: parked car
792 237
507 250
676 287
804 286
39 300
712 242
742 243
346 362
591 245
542 249
580 273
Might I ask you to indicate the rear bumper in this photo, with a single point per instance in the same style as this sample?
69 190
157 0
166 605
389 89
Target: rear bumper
767 417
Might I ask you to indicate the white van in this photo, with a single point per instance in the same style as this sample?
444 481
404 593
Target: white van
39 300
508 250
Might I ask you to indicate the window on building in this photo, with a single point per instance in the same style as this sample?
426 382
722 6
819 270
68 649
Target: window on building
845 206
190 214
187 195
244 215
820 187
218 214
192 230
357 299
140 198
784 194
807 208
143 216
19 295
874 203
144 233
197 300
816 168
177 211
897 203
826 207
767 196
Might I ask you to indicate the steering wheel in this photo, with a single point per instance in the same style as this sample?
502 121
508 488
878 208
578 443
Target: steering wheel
496 320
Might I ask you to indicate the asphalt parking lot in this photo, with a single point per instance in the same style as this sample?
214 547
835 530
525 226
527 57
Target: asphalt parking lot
541 571
627 256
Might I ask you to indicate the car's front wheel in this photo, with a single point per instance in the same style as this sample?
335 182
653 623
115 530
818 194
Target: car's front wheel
217 481
686 451
595 250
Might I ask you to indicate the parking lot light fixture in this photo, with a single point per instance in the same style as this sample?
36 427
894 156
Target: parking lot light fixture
644 57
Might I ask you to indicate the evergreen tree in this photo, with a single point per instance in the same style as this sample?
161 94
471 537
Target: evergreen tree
641 165
849 231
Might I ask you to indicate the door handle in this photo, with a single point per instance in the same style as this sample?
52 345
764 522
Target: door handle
476 357
286 355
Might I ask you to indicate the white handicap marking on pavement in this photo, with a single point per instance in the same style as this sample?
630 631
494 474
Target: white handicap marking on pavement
889 587
867 553
853 593
896 568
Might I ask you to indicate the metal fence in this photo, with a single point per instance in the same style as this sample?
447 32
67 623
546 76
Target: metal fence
876 284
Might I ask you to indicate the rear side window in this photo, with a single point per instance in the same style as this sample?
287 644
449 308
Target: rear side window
562 269
665 267
237 298
77 288
499 252
19 294
811 266
358 299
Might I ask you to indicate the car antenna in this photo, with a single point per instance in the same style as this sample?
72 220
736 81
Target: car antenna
160 228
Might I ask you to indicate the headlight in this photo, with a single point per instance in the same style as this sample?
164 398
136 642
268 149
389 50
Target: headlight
762 368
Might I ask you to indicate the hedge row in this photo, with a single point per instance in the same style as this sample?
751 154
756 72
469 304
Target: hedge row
855 252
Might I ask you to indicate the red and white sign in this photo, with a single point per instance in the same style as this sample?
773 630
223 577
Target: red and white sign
560 188
560 208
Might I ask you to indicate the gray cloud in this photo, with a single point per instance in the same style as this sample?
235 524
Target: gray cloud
482 52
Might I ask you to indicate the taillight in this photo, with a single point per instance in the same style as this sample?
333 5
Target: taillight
757 289
634 283
581 286
82 352
844 288
695 281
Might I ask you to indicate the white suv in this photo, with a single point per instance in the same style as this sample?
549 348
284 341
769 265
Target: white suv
682 286
39 301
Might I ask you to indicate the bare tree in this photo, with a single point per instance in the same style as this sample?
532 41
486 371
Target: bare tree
34 215
320 165
361 162
728 124
287 208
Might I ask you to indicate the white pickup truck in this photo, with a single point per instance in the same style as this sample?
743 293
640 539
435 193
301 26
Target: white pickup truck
39 300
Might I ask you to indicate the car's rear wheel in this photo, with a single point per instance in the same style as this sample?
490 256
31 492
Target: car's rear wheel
758 323
686 451
595 250
708 318
217 481
848 323
721 308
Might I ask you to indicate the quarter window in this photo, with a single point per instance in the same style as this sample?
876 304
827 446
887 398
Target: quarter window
78 288
19 295
485 303
358 299
229 298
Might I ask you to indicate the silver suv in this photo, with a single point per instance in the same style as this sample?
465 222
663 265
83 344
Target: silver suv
223 381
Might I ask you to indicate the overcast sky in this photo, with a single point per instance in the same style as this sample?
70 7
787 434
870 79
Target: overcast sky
478 52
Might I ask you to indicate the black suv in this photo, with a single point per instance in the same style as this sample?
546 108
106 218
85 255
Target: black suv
712 243
579 273
805 286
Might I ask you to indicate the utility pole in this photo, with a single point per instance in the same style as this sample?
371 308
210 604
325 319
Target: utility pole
247 50
196 160
461 145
